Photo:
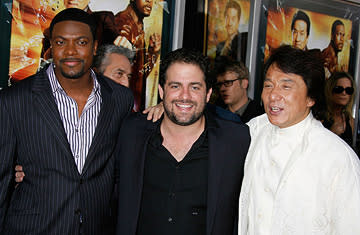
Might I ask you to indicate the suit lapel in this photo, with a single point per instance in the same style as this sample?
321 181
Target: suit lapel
216 165
104 119
44 103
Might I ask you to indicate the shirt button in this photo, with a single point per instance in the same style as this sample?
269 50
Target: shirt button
267 190
273 162
170 219
77 156
77 130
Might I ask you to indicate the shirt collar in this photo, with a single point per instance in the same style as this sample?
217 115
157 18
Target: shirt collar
55 85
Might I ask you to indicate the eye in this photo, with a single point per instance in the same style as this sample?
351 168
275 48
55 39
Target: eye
196 88
59 42
174 86
267 85
82 42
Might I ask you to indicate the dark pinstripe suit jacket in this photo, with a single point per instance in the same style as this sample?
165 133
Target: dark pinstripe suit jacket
228 146
54 198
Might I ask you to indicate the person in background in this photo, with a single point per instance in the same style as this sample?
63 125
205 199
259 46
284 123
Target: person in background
232 83
115 63
130 34
61 125
340 94
300 30
299 177
181 174
330 53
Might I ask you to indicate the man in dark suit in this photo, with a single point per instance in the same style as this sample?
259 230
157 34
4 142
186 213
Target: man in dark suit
183 173
61 125
232 83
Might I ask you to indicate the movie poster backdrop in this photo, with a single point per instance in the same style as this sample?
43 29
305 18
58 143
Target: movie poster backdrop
31 18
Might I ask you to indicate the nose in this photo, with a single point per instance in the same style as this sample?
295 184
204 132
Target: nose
274 94
185 93
70 48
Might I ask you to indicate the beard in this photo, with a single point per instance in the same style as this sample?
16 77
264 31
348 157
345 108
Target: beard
177 120
73 74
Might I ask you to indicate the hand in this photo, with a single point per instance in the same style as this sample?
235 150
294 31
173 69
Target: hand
122 41
154 113
155 42
19 174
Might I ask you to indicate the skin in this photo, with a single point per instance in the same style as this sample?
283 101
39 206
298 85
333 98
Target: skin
184 94
234 96
81 4
232 20
73 49
118 69
338 37
342 99
285 98
299 35
144 6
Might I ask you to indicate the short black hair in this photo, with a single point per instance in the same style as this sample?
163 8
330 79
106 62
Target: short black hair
74 14
235 5
300 15
308 65
186 56
334 25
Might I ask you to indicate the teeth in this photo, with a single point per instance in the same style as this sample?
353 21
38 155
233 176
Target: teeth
275 109
184 105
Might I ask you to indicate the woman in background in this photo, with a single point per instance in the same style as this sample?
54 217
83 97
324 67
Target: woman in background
339 92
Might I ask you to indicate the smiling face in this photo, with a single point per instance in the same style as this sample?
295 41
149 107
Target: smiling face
342 99
144 6
81 4
285 98
184 93
299 34
339 36
72 48
118 69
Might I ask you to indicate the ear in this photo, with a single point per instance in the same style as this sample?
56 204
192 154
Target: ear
310 102
244 83
95 47
208 95
161 92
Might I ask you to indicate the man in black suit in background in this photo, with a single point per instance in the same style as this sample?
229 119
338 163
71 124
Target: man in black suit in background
183 173
61 125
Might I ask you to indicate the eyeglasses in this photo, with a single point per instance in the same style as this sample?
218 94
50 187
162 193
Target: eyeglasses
340 89
227 83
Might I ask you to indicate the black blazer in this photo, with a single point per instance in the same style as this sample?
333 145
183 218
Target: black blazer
228 146
54 198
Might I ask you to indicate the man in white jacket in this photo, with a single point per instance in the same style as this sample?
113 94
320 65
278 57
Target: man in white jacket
299 178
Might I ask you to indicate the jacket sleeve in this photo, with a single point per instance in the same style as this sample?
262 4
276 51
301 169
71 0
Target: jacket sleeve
7 157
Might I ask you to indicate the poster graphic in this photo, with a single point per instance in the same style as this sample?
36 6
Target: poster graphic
135 24
228 23
307 30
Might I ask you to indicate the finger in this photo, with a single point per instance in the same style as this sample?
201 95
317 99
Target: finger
150 115
18 168
19 175
19 179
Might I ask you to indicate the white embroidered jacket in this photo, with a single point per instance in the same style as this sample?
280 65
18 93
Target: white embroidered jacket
299 180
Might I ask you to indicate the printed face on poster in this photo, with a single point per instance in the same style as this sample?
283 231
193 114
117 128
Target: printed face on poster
307 30
227 29
130 23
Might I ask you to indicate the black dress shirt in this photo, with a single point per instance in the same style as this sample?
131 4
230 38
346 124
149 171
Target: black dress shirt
174 196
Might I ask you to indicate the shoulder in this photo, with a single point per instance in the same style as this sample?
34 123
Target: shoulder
257 124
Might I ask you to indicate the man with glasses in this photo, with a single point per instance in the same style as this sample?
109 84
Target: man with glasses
232 82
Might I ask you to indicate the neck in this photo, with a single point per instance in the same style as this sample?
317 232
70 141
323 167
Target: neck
338 109
169 128
75 86
235 107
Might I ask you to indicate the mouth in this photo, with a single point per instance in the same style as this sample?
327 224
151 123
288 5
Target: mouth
71 62
184 106
275 110
147 8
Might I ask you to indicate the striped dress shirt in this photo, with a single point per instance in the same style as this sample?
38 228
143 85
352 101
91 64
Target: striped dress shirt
79 130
